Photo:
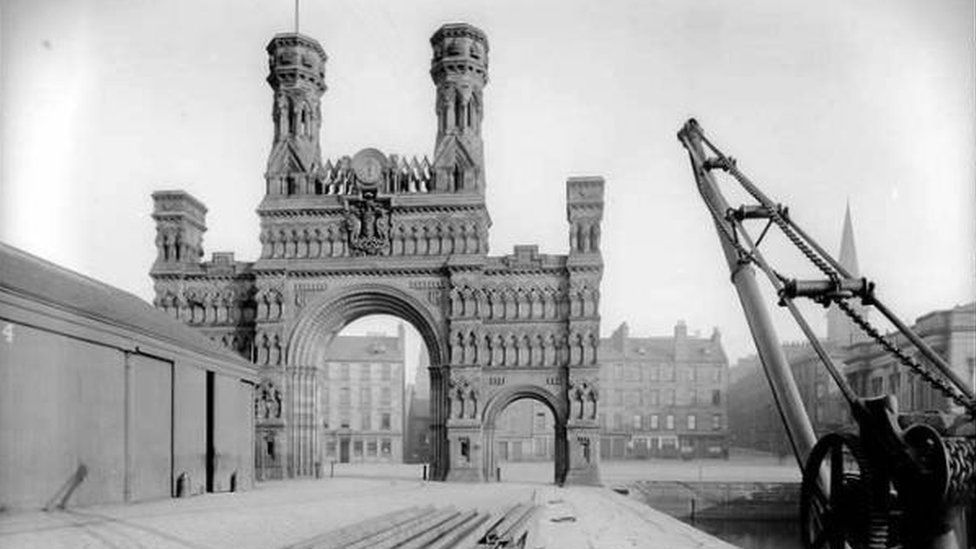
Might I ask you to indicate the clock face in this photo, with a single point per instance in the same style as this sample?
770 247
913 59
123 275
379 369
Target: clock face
368 166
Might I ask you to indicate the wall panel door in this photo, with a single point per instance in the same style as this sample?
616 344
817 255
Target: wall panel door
149 463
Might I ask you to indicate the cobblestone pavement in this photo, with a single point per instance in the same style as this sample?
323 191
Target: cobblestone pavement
276 514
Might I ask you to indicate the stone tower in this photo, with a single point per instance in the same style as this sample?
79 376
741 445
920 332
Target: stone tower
181 221
296 65
373 232
840 330
459 69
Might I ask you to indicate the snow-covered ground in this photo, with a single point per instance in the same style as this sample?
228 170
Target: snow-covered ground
276 514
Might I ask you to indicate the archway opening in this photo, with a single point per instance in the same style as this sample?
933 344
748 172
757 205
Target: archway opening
525 443
373 403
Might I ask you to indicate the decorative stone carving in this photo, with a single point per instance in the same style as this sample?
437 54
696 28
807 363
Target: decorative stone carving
367 224
267 402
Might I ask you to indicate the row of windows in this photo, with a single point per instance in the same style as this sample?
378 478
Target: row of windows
636 372
364 371
371 446
365 397
664 397
912 392
365 422
653 422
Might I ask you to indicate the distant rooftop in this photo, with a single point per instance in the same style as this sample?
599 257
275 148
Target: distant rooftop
368 348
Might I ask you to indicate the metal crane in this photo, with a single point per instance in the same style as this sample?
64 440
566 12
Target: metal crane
898 480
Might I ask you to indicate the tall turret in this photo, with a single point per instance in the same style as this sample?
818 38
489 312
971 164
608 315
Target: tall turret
296 65
459 68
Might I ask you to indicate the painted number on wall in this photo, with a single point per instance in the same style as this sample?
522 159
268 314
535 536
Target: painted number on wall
8 332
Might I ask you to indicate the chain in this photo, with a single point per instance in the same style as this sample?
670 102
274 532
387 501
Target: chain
937 382
728 165
783 225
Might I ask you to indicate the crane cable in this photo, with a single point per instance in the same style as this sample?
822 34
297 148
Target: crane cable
728 165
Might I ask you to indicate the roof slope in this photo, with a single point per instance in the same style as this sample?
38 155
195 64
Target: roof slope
39 280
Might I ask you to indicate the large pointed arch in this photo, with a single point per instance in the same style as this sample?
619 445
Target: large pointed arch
323 319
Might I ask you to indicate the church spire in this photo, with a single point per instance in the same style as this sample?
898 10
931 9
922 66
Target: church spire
840 330
848 252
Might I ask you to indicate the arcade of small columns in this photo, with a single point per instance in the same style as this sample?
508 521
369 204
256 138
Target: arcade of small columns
421 237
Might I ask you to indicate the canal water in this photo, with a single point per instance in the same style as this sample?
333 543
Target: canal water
753 534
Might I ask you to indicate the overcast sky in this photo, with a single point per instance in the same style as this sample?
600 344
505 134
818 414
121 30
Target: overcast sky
870 102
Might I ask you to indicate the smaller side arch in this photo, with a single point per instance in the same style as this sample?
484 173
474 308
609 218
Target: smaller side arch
500 400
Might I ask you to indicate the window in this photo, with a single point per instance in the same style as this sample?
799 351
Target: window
652 373
877 386
385 421
653 398
618 422
344 421
602 418
365 397
385 374
669 422
716 422
716 397
325 370
667 373
716 375
344 399
344 372
692 375
371 447
633 373
385 396
653 421
366 422
894 383
692 422
357 448
669 397
330 448
365 372
633 398
692 397
821 390
540 421
637 422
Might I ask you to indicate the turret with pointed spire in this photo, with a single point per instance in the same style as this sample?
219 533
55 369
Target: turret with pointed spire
296 65
840 330
459 68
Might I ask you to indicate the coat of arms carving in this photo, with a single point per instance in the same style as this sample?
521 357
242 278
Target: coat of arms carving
367 224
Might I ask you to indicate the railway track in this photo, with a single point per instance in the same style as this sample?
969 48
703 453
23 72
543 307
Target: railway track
432 528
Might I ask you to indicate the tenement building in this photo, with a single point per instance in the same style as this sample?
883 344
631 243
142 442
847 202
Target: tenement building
361 399
104 399
377 232
663 396
951 333
524 432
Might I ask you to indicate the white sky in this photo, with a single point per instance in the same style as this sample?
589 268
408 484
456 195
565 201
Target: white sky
822 102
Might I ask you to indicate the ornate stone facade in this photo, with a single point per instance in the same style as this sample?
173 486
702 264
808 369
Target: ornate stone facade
376 233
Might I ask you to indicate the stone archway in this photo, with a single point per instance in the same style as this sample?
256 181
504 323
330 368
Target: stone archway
383 233
309 337
557 407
